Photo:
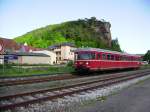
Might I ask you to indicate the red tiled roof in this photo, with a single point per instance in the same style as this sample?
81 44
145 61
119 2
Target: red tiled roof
29 48
9 44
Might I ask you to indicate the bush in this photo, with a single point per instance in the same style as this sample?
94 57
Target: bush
1 66
70 63
5 65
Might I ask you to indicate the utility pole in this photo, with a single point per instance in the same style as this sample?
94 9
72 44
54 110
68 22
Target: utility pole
2 52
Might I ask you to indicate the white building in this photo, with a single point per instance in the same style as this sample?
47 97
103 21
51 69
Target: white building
51 54
34 58
28 58
64 52
1 59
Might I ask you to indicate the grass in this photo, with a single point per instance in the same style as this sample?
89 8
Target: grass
15 70
145 66
9 70
101 98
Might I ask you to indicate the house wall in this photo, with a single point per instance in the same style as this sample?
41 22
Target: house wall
58 54
34 60
1 59
51 54
66 53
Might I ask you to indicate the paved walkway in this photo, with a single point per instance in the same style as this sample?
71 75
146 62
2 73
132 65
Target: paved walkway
133 99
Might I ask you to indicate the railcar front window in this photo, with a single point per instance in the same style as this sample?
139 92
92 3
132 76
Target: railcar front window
85 56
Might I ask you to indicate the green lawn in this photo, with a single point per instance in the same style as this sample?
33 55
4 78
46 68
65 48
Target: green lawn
10 70
145 66
19 71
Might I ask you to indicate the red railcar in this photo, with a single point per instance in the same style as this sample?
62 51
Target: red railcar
99 59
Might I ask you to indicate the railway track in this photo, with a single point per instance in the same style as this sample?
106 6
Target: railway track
31 80
12 82
24 99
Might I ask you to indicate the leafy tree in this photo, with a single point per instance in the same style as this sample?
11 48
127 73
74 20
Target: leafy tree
115 45
92 21
147 56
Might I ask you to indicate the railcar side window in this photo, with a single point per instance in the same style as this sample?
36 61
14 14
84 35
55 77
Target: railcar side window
98 56
112 57
108 56
92 55
139 59
126 58
103 56
117 58
121 58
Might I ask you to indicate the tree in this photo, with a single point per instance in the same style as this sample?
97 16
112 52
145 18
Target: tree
115 45
147 57
92 21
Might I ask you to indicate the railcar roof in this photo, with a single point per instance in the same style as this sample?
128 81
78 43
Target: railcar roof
103 50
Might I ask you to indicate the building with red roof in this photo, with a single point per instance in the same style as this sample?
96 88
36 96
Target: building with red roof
9 45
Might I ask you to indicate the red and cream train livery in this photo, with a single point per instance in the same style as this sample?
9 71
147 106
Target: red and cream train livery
99 59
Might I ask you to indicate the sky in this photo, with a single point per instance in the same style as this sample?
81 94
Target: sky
130 19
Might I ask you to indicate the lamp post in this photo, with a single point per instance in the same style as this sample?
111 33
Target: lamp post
2 52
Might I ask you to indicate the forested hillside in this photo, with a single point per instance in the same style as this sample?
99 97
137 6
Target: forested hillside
83 33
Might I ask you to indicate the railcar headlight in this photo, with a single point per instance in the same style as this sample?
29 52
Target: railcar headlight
87 63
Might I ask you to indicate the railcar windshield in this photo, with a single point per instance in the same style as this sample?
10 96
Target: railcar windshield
85 56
